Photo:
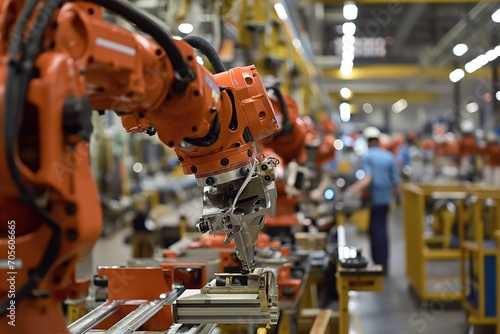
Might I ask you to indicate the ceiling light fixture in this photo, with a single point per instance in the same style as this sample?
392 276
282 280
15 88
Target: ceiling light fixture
346 67
497 95
367 108
348 40
350 11
346 93
472 107
460 49
496 16
349 28
399 106
457 75
186 28
345 112
281 11
491 55
338 144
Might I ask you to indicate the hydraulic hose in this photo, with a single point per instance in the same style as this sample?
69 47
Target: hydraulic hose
287 126
208 50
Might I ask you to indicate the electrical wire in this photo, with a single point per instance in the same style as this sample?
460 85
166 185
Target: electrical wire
286 126
20 69
17 81
207 50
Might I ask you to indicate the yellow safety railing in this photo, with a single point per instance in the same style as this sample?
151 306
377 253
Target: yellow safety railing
497 237
478 257
419 252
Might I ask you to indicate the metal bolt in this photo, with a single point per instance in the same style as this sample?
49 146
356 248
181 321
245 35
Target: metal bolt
244 171
194 169
210 181
71 209
224 162
264 167
72 234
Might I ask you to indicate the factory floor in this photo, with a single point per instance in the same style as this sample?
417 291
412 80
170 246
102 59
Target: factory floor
395 310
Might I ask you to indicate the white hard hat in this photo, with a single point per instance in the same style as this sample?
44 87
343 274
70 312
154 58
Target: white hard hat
371 132
467 126
491 137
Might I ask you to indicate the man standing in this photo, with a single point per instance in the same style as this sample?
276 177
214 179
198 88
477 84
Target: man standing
381 179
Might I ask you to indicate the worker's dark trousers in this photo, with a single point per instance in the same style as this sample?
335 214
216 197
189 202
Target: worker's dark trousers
378 234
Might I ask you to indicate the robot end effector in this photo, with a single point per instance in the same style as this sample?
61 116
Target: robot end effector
237 206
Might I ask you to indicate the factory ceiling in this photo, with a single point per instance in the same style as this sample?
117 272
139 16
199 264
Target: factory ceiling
401 48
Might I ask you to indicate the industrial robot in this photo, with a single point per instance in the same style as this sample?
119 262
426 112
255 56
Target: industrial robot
59 62
301 149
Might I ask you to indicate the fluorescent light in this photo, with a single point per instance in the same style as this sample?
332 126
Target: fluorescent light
348 40
460 49
367 108
345 93
297 43
347 56
470 67
350 11
345 112
491 55
497 50
496 16
137 167
186 28
340 181
199 60
349 28
399 106
472 107
482 60
497 95
281 11
360 174
346 68
457 75
338 144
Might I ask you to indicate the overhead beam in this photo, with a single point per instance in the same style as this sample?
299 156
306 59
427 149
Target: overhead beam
407 24
389 2
386 98
397 72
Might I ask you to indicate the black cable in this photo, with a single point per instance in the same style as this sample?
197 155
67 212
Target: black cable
286 126
19 75
207 50
210 138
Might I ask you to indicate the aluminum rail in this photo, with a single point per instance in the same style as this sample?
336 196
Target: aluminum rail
143 313
94 317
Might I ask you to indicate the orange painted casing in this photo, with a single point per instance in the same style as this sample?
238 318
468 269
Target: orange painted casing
287 283
290 146
190 279
136 285
130 283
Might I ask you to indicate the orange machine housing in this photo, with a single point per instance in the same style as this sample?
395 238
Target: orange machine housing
88 64
135 285
292 146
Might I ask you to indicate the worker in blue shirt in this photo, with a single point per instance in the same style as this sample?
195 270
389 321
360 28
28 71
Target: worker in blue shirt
381 179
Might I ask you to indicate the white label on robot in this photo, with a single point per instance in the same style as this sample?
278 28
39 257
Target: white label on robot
115 46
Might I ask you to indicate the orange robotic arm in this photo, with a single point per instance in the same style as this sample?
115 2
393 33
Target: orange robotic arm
58 61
